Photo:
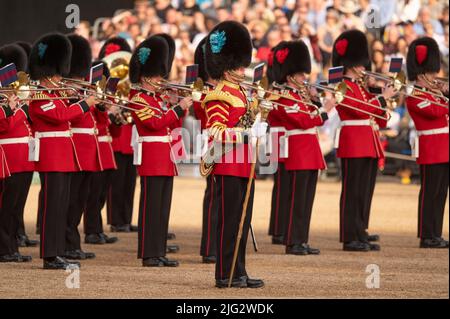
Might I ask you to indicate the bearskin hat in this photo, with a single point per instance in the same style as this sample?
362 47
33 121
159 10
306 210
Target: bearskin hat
150 59
81 61
113 45
49 56
172 48
351 49
289 58
199 59
423 57
273 66
24 45
12 53
228 47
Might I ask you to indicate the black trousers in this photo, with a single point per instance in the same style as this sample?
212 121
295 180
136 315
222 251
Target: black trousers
14 197
210 216
230 198
303 190
279 212
373 171
93 222
79 191
356 197
54 207
432 198
154 212
120 196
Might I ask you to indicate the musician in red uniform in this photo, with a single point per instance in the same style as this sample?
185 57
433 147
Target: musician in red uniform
210 208
153 149
93 222
85 131
291 65
279 212
431 147
14 137
121 183
54 152
230 118
357 141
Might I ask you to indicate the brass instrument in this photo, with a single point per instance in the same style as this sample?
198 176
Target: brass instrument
262 92
339 92
99 91
195 89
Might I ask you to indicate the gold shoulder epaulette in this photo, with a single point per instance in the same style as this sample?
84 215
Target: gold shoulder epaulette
220 95
40 95
139 99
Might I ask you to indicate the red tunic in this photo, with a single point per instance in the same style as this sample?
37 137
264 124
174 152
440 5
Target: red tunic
276 122
57 154
433 146
14 141
359 140
86 143
156 155
4 170
122 138
104 139
225 106
304 149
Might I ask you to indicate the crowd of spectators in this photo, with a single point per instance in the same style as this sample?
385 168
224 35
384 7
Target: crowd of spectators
390 27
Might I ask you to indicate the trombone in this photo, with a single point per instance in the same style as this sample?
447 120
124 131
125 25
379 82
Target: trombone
98 90
340 94
195 89
261 92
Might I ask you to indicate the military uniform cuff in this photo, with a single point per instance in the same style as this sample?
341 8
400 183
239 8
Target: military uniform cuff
382 101
84 106
7 110
178 111
324 116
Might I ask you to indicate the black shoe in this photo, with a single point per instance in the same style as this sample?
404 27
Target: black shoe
209 259
159 262
356 246
236 283
303 249
18 258
59 263
172 249
7 258
171 236
120 228
108 240
254 283
277 240
134 229
24 241
373 237
433 243
78 254
94 239
374 247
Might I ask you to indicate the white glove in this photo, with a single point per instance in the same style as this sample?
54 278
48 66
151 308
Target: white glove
259 129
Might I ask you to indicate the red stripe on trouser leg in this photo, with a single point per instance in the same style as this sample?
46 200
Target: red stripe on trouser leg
344 194
221 233
209 217
44 214
144 213
421 201
278 203
292 208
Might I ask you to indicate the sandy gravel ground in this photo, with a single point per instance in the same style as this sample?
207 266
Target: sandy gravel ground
405 270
